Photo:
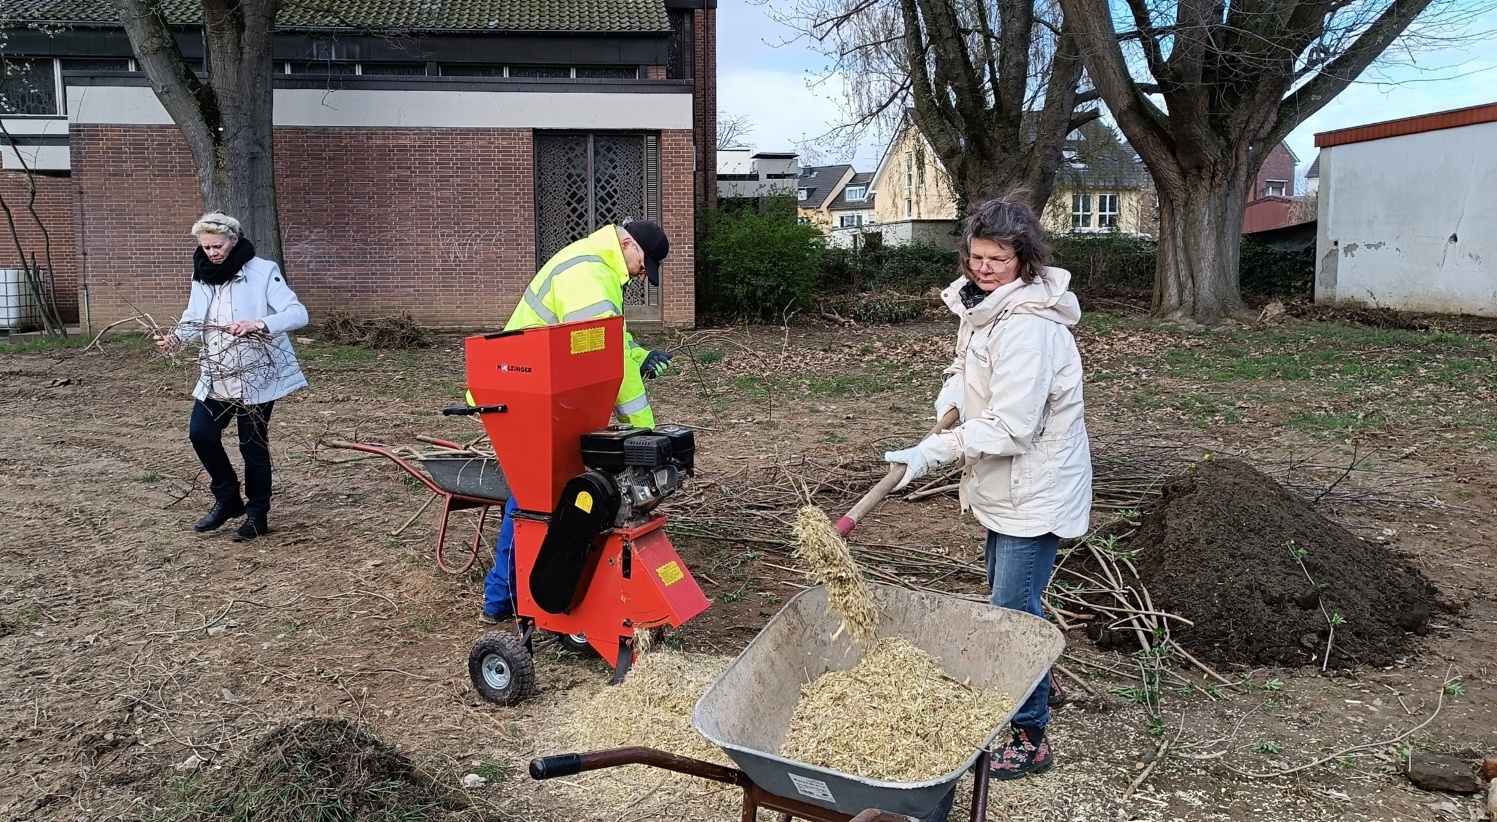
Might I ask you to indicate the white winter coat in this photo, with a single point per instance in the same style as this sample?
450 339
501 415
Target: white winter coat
258 293
1023 436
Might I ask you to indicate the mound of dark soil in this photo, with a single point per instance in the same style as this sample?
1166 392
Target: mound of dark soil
1220 548
322 769
1366 316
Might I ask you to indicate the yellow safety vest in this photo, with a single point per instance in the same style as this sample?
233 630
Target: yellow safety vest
585 281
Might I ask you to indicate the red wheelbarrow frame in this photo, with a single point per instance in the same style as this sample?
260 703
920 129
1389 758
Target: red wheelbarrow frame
754 797
451 500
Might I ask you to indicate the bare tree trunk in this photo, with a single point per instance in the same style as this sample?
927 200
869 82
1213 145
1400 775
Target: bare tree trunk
226 120
1200 231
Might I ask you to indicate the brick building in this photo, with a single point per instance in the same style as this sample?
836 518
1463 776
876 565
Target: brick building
429 157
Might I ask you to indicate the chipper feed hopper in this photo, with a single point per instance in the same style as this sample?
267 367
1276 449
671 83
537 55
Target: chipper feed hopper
592 560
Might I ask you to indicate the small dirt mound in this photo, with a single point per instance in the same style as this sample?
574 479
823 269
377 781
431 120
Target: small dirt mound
324 769
1263 575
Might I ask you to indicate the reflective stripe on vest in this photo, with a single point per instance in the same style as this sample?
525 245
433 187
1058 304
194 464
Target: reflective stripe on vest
535 296
601 308
633 406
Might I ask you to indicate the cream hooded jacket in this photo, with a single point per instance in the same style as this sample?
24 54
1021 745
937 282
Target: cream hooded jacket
1022 440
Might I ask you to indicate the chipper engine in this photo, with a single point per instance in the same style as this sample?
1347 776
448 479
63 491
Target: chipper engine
592 561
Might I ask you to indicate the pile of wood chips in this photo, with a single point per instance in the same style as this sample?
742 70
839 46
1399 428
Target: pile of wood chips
895 716
848 595
651 707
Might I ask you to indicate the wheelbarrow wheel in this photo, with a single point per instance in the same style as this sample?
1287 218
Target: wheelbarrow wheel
501 668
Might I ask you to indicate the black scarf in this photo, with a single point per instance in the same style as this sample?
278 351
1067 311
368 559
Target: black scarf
971 295
205 271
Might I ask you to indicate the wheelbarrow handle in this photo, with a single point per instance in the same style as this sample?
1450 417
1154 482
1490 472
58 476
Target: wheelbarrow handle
550 767
468 410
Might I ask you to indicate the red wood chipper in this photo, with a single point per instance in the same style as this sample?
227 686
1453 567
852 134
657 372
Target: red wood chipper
592 561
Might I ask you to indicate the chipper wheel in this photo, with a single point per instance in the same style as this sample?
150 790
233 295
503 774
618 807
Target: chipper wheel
501 668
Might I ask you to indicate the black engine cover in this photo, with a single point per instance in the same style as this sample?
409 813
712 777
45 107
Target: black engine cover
565 563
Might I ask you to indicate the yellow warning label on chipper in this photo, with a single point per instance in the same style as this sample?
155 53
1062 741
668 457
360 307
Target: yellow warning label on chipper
670 573
588 339
585 502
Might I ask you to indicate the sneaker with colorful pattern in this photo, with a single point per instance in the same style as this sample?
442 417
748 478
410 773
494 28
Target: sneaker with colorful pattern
1021 757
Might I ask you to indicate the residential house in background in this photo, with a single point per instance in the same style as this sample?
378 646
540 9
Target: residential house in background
1312 175
1101 185
914 200
428 157
1403 207
853 211
1271 201
815 190
744 174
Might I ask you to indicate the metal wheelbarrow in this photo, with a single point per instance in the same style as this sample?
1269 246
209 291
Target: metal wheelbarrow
460 479
747 710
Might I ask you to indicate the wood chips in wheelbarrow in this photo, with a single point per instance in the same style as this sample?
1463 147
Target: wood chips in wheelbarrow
895 716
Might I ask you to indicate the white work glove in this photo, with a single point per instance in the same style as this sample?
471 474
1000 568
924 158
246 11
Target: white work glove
934 451
953 395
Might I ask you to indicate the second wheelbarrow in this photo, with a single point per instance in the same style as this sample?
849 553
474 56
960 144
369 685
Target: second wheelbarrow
747 710
462 480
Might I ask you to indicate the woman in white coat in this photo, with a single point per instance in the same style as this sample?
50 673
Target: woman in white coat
240 310
1022 437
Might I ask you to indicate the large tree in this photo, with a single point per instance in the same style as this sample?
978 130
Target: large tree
991 85
225 118
1233 78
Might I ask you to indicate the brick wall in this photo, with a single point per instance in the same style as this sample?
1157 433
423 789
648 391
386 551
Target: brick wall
438 222
54 206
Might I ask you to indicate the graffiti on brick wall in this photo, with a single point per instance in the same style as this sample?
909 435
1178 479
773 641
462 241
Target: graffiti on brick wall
302 247
466 245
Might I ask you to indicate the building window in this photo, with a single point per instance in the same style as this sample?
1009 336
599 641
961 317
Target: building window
857 194
471 70
393 69
680 58
850 220
802 194
97 65
322 68
1275 188
1081 211
920 172
909 170
1107 211
555 72
909 208
29 86
608 72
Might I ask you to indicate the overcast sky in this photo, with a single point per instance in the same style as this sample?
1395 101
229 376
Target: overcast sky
767 83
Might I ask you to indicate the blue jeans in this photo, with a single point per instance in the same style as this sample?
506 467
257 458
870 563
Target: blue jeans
205 429
499 585
1019 568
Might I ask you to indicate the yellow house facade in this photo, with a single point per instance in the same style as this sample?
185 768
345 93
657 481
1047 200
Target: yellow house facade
911 183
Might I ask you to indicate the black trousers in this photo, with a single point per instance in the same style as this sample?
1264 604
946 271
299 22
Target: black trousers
209 419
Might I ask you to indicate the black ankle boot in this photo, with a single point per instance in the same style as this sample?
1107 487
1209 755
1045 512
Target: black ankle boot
221 512
253 527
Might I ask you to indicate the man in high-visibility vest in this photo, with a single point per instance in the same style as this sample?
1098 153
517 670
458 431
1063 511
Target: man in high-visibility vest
585 281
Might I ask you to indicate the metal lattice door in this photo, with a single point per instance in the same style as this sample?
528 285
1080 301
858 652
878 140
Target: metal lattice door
586 181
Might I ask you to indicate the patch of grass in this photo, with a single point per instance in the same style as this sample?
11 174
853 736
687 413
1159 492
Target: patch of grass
40 344
493 769
832 438
425 624
1325 422
149 477
1268 746
709 357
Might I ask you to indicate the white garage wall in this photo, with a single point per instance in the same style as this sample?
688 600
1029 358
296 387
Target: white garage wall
1407 222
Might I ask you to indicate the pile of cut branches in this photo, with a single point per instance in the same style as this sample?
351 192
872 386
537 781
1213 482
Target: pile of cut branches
399 330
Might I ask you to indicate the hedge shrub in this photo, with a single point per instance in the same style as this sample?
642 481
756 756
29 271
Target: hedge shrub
758 264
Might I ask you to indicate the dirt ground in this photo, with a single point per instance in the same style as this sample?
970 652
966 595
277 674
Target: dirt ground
130 644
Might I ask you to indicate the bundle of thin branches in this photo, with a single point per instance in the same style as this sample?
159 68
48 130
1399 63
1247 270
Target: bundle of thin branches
399 330
250 359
